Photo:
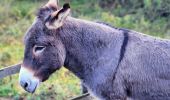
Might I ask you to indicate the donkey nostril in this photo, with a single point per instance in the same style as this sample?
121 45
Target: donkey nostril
25 85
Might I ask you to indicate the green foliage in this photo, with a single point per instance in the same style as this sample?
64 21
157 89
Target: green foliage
151 9
146 16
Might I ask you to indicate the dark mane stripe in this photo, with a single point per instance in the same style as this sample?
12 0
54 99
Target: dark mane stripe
124 45
125 40
122 50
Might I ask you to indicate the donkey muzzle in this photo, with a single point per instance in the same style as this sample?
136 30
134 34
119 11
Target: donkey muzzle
27 80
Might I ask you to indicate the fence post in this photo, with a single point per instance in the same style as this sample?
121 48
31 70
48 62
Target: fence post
7 71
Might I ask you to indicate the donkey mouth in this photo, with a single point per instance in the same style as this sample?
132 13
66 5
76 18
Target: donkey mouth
29 87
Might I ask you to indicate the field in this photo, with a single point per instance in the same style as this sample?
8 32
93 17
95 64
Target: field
16 16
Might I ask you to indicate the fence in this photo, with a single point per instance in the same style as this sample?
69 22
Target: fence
10 70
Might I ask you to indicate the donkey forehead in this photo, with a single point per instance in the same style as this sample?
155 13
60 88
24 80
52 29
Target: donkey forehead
39 22
35 31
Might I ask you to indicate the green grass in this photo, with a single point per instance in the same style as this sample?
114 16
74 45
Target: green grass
18 16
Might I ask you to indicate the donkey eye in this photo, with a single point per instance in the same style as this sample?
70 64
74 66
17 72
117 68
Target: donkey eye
38 49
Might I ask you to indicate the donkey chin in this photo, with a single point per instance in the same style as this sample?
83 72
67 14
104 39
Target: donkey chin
27 80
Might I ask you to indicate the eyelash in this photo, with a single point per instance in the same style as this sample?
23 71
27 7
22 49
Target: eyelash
39 48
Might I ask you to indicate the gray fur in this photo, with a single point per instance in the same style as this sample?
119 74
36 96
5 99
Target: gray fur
92 52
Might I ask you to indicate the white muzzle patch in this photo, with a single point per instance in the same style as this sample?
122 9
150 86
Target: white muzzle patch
27 80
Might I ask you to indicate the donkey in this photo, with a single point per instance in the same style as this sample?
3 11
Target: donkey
113 63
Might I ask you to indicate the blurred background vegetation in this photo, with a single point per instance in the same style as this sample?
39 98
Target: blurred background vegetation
146 16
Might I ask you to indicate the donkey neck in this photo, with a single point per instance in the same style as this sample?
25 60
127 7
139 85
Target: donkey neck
88 45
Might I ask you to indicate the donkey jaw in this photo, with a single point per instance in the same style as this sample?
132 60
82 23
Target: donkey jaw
27 80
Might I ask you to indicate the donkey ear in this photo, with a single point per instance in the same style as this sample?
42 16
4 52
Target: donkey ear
53 4
57 18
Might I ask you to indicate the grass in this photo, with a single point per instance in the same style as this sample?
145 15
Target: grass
18 16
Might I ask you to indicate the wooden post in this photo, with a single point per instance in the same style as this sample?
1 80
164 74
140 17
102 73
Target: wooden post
84 97
7 71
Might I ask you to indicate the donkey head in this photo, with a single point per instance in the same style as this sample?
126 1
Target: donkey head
44 51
